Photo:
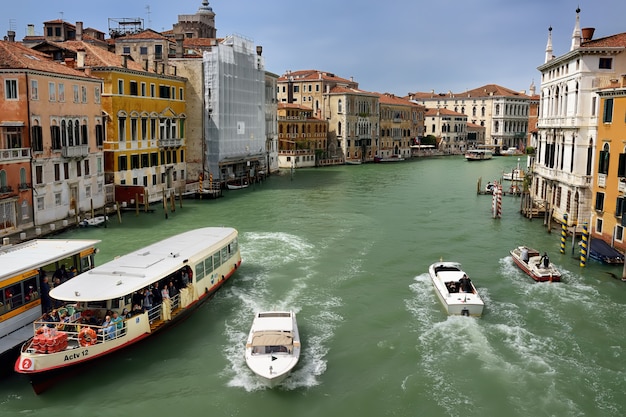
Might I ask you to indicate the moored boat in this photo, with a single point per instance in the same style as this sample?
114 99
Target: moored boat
236 185
478 154
273 345
535 265
601 251
197 263
95 221
455 290
391 158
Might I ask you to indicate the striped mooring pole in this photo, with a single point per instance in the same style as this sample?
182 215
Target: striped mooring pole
583 246
563 232
497 201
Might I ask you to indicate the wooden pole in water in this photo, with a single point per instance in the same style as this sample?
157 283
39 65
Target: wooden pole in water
136 204
172 202
119 214
92 213
164 204
180 197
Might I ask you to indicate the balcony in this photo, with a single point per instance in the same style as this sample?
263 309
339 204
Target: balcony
79 151
6 189
170 143
15 155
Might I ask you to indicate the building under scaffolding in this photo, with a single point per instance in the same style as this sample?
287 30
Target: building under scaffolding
234 76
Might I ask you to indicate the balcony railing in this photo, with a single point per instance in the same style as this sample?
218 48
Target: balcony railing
8 155
79 151
170 143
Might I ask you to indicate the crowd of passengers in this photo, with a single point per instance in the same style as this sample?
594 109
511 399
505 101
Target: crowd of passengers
112 322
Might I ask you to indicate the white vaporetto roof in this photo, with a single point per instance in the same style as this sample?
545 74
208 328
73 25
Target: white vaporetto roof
34 254
142 267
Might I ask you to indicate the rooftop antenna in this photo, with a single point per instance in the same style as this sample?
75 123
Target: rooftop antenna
148 13
61 13
11 24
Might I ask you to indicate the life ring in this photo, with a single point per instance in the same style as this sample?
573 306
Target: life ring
87 336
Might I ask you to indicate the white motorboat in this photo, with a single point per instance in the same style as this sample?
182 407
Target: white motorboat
455 290
515 175
95 221
536 266
273 345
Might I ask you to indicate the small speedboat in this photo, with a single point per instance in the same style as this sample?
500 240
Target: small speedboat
95 221
536 266
455 290
273 345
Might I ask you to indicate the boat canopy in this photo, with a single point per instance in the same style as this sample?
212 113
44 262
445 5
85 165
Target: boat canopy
272 338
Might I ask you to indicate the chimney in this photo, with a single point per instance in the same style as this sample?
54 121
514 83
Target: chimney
259 50
587 34
179 44
80 58
145 65
11 36
125 61
79 31
30 30
70 62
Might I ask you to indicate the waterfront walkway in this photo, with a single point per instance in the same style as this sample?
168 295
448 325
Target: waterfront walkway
21 235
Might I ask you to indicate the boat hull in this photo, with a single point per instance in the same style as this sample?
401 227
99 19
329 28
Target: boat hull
455 303
531 268
601 251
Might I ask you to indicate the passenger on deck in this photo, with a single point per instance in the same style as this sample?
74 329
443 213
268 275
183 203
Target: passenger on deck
147 299
185 277
465 284
452 287
524 254
544 261
156 295
118 324
46 302
173 291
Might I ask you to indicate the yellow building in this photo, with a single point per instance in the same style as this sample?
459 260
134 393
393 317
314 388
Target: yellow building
401 123
608 216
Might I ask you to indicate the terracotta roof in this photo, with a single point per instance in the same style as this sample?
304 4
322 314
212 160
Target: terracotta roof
313 75
612 41
144 34
14 55
489 90
99 57
388 98
474 126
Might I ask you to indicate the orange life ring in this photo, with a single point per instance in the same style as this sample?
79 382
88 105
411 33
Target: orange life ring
87 336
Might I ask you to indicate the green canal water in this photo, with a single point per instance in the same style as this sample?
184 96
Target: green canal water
348 248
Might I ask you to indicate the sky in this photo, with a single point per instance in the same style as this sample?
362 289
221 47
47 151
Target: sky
393 46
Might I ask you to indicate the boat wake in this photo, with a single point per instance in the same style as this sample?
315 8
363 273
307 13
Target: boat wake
274 254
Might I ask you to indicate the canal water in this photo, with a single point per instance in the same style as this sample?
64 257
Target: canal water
348 248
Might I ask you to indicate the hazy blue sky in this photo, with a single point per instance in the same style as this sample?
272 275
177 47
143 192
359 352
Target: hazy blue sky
396 46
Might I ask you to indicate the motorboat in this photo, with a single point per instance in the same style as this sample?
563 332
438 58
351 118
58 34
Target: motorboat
536 266
198 261
510 151
391 158
237 185
478 154
455 290
273 345
94 221
601 251
515 175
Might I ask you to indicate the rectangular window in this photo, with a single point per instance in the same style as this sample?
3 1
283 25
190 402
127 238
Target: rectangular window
76 94
143 89
96 95
621 165
121 129
120 87
619 233
607 116
143 50
144 128
57 199
10 89
126 50
133 129
154 159
52 92
37 138
34 90
99 135
40 204
619 206
145 160
57 172
599 224
122 163
181 96
134 161
83 94
88 191
78 169
605 63
152 90
133 88
61 92
87 170
39 174
599 202
66 170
